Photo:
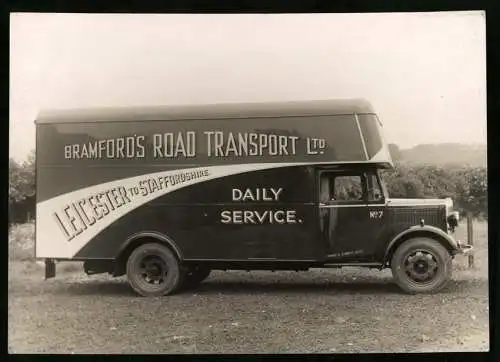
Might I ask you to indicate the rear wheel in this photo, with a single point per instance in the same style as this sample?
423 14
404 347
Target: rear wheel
421 265
153 270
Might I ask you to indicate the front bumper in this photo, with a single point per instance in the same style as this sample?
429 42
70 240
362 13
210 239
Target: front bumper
463 248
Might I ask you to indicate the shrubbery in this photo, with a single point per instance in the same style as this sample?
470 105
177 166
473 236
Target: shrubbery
21 189
22 241
467 186
21 179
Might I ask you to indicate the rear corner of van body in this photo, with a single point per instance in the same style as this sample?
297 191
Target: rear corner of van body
48 260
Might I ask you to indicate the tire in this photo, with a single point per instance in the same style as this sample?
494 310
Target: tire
153 271
421 265
195 276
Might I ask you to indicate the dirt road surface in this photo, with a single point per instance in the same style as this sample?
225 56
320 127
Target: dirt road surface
236 312
321 311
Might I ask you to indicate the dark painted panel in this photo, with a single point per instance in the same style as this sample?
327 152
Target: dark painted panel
192 217
340 132
58 175
294 182
199 233
349 231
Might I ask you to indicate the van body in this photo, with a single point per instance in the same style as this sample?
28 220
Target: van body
167 194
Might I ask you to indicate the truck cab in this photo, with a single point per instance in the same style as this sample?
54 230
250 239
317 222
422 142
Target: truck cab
364 226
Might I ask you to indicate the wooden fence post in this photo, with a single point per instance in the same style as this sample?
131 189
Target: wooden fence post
470 239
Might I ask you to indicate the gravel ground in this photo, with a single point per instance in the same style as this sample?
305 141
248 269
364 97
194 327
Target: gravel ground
321 311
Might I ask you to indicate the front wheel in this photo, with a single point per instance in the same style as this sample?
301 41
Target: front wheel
421 265
153 270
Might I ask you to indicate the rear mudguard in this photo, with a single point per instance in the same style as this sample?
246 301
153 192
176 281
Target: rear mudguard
153 235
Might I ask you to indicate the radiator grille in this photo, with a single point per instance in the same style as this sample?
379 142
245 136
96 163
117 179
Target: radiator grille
411 215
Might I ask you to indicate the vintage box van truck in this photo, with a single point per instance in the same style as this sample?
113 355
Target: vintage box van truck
167 194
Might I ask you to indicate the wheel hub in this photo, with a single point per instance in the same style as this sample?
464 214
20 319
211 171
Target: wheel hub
153 270
421 266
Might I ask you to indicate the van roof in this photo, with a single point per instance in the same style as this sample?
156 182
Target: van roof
208 111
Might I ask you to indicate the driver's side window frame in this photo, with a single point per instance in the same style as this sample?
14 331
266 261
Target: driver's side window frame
364 175
331 175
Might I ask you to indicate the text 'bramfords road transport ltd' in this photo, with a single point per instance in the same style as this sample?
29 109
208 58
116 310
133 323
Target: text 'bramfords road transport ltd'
184 144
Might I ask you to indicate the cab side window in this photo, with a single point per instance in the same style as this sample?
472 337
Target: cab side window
347 188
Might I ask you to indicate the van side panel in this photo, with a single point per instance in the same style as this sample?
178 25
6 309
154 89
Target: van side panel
99 182
77 155
194 219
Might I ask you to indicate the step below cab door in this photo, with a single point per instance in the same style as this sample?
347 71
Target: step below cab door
352 213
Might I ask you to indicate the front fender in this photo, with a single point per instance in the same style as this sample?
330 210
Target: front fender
427 230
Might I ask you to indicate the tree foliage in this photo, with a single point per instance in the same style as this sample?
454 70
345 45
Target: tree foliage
467 186
21 179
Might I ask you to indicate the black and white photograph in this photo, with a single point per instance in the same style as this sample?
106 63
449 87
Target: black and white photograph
248 183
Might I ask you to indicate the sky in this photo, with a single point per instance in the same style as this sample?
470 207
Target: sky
425 74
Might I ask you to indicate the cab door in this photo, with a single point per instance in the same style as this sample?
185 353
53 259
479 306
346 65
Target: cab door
352 213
